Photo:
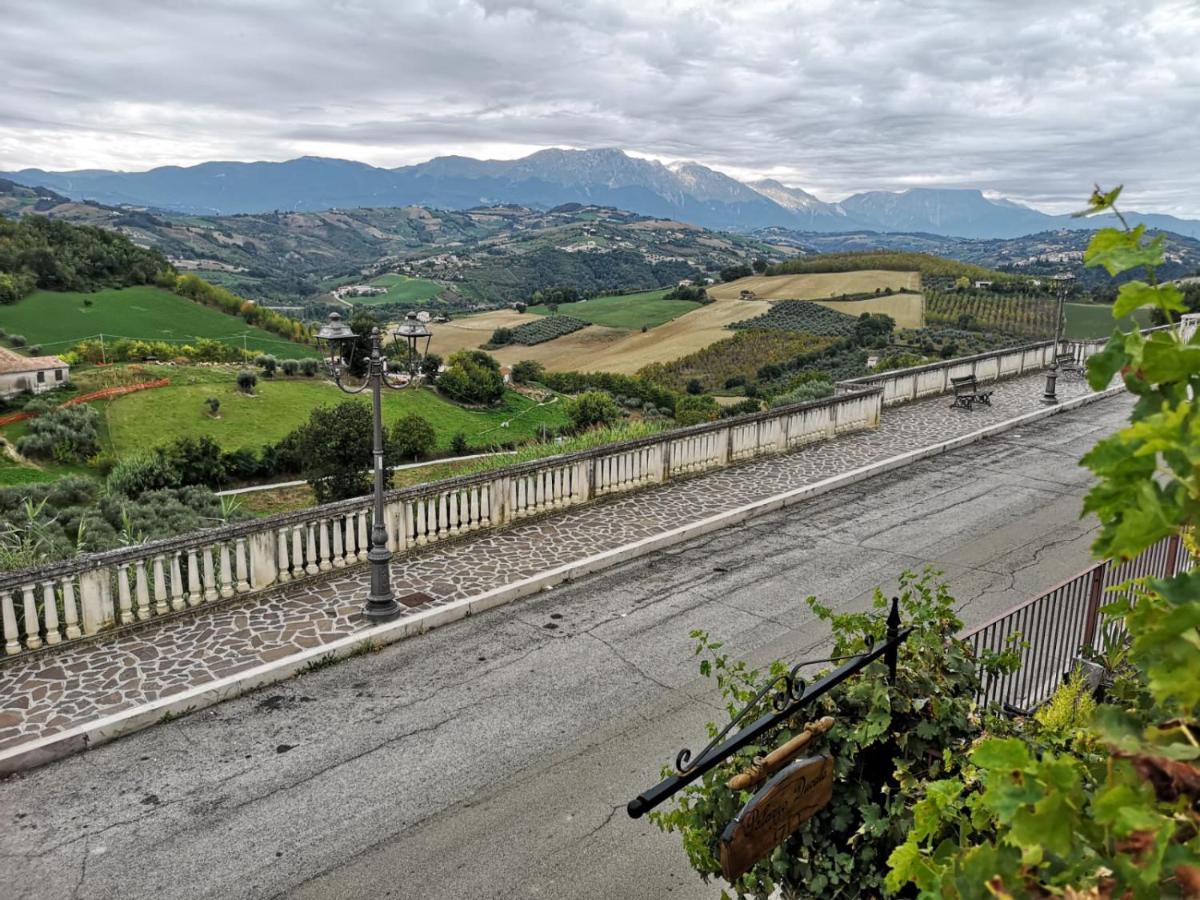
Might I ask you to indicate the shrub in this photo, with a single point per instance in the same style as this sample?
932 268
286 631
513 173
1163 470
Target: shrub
741 408
214 405
64 435
17 340
527 370
194 460
411 438
692 410
246 382
590 409
268 364
290 366
695 386
472 377
334 447
812 390
242 464
134 475
500 337
35 350
309 367
458 444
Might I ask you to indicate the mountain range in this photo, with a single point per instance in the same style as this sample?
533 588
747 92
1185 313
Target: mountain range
687 192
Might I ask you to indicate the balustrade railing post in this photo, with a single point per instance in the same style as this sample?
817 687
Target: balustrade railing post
177 600
1091 617
8 618
70 612
33 640
50 612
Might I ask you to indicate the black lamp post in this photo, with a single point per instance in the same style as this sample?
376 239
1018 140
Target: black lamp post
1063 283
340 342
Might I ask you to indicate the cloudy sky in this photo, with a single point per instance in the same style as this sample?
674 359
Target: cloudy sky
1033 99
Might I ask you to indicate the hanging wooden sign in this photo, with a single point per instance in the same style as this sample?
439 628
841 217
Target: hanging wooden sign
790 798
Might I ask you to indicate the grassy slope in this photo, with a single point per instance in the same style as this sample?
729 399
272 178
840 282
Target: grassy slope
58 320
145 420
1093 320
401 289
627 311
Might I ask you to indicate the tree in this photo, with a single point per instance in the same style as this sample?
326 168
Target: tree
553 307
500 337
411 438
214 406
759 265
246 382
590 409
335 448
695 386
692 410
527 371
873 329
472 376
194 460
733 273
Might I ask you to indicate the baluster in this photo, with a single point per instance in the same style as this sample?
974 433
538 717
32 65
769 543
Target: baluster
142 591
405 521
177 602
422 539
349 522
70 609
442 524
339 550
471 504
311 555
281 556
193 567
8 616
519 495
126 605
50 613
325 565
210 576
241 566
160 587
226 571
364 545
297 552
32 639
485 504
454 513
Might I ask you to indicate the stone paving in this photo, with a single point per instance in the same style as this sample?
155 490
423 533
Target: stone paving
54 692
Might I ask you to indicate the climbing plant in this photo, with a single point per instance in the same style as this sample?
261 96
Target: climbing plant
1114 810
886 741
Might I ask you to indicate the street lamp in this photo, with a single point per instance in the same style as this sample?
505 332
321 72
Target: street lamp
340 341
1063 284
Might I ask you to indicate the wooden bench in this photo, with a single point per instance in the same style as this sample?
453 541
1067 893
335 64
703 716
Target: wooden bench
967 393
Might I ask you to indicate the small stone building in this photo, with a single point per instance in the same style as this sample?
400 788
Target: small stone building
36 374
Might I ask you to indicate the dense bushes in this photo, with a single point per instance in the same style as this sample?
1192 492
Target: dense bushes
623 385
126 350
411 438
592 408
37 252
63 435
334 447
732 362
801 315
472 376
809 390
196 288
892 260
692 410
527 371
544 329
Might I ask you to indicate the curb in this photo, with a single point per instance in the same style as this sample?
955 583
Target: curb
83 737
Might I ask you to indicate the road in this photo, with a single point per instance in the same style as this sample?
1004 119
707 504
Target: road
494 757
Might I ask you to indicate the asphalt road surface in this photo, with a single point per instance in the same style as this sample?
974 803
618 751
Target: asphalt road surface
494 757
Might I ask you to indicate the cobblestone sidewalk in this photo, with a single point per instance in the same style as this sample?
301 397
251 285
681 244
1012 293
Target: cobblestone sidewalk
58 691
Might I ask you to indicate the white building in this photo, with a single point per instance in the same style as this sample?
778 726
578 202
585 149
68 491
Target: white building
36 374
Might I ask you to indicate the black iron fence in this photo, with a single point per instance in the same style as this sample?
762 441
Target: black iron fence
1054 629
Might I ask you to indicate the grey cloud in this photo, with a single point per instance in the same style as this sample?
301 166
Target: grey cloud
1034 100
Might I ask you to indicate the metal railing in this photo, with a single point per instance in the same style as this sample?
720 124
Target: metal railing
1051 631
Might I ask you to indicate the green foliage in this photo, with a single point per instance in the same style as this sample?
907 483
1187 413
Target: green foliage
194 460
1069 709
892 260
1113 810
801 315
546 329
693 409
733 273
887 742
246 382
472 376
132 476
590 409
66 435
1026 314
411 438
528 371
736 357
37 252
809 390
458 444
500 337
335 450
625 385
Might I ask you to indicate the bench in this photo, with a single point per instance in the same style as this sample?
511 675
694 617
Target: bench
967 393
1066 362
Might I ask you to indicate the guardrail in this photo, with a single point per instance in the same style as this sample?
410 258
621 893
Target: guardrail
87 594
1054 629
915 382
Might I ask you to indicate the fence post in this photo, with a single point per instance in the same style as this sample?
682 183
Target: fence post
1172 556
1091 618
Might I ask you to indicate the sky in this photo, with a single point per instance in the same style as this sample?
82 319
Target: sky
1035 101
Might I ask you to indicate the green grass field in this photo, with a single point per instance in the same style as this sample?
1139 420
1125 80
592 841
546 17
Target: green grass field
145 420
627 311
56 321
401 289
1093 320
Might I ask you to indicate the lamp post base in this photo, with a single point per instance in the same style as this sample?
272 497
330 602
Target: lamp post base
1050 397
381 609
